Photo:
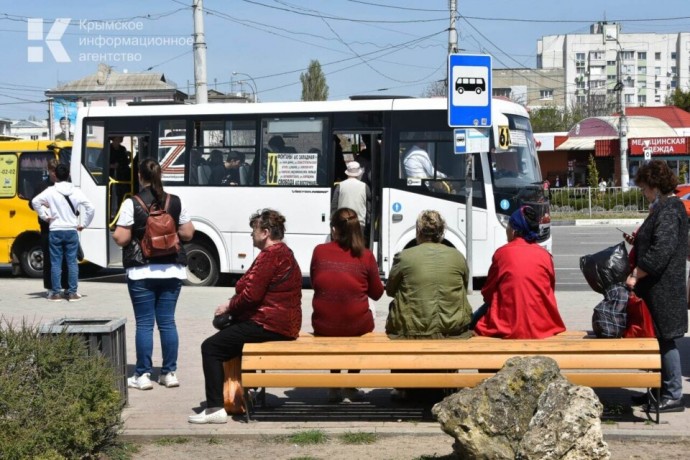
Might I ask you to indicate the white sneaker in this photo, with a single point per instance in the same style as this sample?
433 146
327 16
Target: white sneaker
169 380
219 416
352 394
140 382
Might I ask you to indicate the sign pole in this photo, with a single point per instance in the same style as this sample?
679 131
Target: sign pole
468 219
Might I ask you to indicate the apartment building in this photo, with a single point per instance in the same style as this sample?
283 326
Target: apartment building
600 67
533 88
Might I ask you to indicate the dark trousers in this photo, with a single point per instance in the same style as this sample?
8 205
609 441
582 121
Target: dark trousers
225 345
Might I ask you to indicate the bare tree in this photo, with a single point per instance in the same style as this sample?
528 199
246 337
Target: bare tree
436 88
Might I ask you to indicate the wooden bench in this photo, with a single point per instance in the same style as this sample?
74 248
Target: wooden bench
306 362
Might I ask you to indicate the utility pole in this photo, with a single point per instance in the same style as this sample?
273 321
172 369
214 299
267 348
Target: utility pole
200 87
452 33
622 123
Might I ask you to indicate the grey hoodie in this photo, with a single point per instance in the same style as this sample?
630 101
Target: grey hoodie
52 207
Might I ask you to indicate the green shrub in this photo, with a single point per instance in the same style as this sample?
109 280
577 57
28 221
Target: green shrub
56 401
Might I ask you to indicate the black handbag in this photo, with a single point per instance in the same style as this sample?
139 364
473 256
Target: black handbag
222 321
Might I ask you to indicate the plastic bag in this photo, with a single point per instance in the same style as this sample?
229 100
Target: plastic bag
640 323
610 315
606 268
233 394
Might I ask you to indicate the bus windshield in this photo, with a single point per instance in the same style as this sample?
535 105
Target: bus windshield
516 165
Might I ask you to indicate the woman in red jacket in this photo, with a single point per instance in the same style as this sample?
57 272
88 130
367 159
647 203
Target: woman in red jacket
267 306
344 275
519 299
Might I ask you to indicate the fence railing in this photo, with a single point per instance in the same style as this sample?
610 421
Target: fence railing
592 201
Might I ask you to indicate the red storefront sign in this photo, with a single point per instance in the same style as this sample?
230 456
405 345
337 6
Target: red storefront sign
659 145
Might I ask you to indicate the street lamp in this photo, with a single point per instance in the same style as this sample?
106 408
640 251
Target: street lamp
254 88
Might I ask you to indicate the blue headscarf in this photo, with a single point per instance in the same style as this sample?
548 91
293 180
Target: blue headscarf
519 224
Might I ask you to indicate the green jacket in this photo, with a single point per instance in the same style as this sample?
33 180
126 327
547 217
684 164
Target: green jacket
428 283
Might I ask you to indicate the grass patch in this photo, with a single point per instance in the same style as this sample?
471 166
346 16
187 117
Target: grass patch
171 441
358 438
304 438
215 441
303 458
122 451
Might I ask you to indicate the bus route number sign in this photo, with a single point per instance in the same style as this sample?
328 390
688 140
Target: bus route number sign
469 90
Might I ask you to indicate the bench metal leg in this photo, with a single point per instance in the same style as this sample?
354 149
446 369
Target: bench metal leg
653 398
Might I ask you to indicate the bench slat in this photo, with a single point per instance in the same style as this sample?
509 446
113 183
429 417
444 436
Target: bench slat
531 347
426 380
443 361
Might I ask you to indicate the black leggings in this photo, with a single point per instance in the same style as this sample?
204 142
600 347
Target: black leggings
225 345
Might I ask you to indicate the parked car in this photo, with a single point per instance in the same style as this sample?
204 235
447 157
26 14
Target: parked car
683 192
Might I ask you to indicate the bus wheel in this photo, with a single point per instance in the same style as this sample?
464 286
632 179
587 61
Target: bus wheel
202 266
31 260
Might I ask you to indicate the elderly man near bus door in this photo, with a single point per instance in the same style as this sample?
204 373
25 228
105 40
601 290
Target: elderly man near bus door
58 205
354 194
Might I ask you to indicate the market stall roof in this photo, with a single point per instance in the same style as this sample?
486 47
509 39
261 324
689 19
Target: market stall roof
584 134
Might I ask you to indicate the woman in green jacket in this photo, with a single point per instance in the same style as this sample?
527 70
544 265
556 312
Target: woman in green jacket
428 283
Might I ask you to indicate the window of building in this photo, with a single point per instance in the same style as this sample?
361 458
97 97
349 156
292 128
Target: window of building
674 56
642 70
34 137
580 83
674 84
657 98
657 56
657 84
657 71
628 55
674 70
641 99
581 100
580 57
611 63
628 69
598 55
642 55
629 99
504 92
612 77
546 94
642 83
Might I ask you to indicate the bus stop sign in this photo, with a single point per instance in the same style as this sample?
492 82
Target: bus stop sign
469 90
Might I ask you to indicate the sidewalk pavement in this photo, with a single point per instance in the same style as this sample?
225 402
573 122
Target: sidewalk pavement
163 411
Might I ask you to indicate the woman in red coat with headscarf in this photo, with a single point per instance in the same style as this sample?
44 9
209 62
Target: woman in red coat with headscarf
519 299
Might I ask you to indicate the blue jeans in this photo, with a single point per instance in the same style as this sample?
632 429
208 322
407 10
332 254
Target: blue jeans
63 244
671 374
154 301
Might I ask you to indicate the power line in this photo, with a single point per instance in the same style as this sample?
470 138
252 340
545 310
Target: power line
395 7
338 18
589 21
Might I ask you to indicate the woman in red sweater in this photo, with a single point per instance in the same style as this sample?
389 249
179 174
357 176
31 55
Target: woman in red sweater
267 306
344 275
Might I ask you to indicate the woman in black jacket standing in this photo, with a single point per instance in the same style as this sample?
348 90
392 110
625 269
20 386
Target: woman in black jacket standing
659 275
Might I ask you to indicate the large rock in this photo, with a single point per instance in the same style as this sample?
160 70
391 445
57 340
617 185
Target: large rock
524 412
566 426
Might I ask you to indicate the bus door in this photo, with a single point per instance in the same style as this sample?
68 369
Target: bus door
108 177
365 148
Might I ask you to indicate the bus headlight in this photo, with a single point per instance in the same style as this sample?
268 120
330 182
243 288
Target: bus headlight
503 219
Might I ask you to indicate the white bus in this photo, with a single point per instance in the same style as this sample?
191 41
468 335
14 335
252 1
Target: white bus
293 153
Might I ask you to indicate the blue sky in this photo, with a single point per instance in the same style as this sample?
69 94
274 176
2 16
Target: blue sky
364 46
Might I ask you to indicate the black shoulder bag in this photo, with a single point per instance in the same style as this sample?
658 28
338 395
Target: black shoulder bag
80 251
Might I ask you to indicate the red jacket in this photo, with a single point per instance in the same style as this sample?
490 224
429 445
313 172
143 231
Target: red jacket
519 292
342 287
270 292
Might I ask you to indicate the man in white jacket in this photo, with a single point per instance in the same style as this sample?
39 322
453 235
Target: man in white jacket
59 206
